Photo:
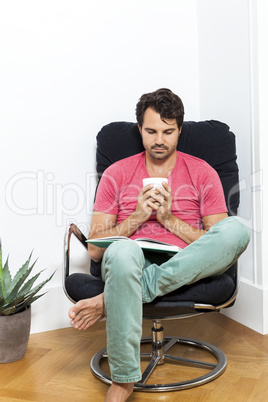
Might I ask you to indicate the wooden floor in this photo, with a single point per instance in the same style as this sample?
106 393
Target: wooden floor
56 365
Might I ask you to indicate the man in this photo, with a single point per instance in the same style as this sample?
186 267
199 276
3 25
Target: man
189 212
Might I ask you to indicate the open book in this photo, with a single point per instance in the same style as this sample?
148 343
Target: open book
144 243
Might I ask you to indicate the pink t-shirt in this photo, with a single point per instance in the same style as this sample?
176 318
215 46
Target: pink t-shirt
196 191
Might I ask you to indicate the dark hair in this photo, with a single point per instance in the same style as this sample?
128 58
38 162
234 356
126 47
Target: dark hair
164 102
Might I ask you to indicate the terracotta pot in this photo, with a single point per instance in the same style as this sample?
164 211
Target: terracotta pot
14 335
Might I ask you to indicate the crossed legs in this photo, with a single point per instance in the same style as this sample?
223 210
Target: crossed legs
128 282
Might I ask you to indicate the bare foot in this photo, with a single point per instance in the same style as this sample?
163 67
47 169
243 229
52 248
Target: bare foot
87 312
119 392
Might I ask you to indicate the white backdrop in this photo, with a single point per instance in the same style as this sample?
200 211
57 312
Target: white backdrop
233 58
67 68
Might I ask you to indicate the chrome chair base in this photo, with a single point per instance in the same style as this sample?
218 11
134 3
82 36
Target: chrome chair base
159 356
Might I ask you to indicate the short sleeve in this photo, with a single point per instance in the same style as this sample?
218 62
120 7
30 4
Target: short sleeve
212 199
108 191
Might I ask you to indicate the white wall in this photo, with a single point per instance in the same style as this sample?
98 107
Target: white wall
233 86
262 13
67 68
225 85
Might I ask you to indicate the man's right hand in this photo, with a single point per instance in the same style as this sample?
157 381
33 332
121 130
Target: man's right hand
145 203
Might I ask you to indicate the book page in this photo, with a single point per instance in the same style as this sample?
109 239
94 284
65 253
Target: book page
144 243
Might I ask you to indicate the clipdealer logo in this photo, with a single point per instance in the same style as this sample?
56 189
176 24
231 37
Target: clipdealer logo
47 197
68 200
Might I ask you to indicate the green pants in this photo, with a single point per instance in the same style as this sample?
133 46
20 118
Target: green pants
131 280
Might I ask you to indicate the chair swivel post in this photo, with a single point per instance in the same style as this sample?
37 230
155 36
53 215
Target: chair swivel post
158 341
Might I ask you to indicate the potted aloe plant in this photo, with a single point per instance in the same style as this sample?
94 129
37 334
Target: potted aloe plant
16 296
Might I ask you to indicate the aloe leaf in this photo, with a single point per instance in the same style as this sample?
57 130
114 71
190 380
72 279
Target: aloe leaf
23 270
23 300
8 311
17 294
28 285
19 279
7 275
9 308
5 279
26 292
27 302
39 287
14 302
2 289
31 293
1 256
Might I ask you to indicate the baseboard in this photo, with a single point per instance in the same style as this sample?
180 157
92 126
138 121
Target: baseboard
50 312
251 307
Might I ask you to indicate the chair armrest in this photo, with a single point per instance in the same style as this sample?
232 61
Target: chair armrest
73 229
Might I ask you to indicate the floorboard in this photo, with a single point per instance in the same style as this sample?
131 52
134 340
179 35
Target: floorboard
56 366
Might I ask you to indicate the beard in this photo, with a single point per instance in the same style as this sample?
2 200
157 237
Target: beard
164 154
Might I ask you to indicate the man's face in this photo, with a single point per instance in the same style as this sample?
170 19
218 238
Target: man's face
159 137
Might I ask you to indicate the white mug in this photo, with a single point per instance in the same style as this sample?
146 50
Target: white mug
156 181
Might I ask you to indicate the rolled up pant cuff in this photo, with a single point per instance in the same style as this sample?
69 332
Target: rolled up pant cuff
126 379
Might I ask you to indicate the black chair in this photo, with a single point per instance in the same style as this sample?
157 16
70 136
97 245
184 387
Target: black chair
215 143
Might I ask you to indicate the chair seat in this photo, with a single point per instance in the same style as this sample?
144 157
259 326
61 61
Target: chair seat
214 290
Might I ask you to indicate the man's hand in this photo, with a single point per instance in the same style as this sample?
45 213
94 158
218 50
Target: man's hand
145 203
161 202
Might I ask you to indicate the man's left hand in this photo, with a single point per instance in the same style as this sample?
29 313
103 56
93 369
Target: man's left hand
162 203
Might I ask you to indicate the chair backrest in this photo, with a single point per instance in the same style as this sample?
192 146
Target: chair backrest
209 140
